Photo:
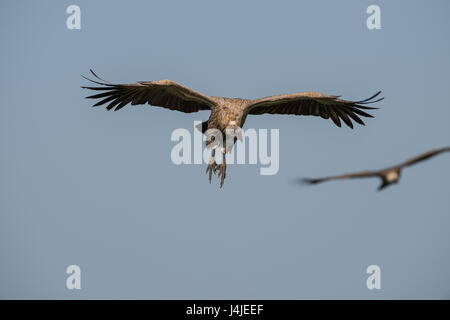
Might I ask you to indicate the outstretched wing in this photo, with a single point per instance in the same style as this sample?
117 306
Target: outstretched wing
161 93
424 156
361 174
315 104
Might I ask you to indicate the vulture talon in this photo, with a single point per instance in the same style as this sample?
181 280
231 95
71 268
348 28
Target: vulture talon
212 167
222 168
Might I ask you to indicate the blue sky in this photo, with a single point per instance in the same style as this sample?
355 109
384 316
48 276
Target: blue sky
84 186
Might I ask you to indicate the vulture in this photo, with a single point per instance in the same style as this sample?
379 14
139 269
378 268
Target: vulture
227 114
388 176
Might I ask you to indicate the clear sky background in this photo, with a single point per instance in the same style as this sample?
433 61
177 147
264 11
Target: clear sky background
84 186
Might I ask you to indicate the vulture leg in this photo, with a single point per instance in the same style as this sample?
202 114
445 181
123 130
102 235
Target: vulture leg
212 166
222 168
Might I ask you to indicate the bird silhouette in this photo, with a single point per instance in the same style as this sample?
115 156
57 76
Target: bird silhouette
388 176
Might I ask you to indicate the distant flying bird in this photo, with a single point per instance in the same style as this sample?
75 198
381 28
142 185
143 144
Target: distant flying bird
388 176
227 114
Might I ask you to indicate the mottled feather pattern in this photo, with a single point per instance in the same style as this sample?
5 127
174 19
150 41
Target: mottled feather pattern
173 96
162 93
315 104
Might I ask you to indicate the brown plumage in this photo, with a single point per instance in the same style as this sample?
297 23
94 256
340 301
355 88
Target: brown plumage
388 176
227 113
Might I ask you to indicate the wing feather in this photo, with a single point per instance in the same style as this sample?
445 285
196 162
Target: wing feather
424 156
361 174
161 93
315 104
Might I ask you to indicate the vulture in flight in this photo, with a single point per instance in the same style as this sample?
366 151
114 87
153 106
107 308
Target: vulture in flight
388 176
227 114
